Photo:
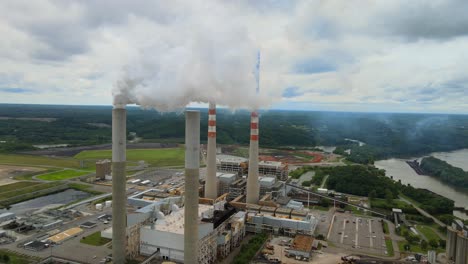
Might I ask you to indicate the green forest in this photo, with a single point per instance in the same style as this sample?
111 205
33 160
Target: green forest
445 172
385 135
370 181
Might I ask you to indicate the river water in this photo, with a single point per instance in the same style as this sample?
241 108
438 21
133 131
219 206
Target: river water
52 200
400 170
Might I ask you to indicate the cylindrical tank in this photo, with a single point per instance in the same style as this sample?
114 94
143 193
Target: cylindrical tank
99 207
108 204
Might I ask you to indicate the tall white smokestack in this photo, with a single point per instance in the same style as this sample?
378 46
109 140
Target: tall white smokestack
192 174
253 190
119 198
211 185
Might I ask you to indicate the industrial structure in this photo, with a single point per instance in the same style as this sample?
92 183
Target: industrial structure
192 175
239 165
457 243
252 178
273 169
119 210
103 169
231 164
211 181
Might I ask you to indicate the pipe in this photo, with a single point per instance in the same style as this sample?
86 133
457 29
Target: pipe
252 178
119 197
211 184
192 174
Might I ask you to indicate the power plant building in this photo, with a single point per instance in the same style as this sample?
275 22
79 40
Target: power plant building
160 224
231 164
239 165
273 168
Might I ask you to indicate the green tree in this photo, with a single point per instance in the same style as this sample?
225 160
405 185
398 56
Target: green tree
372 195
6 258
442 243
424 244
388 196
433 243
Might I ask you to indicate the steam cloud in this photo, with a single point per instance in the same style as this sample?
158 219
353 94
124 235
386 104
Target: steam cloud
204 54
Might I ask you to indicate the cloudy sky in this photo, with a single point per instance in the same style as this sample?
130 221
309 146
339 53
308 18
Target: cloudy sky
385 56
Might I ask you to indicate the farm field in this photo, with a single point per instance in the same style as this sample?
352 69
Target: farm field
156 157
62 175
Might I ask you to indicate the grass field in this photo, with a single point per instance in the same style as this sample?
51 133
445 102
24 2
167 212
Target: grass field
30 160
16 186
20 188
62 175
15 258
155 157
385 228
416 248
427 232
95 239
389 244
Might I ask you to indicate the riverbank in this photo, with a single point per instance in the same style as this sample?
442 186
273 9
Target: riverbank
399 170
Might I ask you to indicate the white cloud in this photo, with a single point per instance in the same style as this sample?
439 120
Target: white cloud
354 55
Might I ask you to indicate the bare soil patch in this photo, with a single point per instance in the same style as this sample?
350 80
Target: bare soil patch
7 173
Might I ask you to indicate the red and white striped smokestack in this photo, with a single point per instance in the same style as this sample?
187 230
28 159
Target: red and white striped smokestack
211 185
253 190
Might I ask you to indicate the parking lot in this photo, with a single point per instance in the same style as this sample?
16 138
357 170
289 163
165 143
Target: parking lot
358 233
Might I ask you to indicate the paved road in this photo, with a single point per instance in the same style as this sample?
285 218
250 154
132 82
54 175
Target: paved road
421 211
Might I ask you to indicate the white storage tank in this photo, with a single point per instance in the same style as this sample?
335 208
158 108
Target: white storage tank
99 206
108 204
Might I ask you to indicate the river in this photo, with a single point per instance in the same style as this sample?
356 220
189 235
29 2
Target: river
402 171
51 200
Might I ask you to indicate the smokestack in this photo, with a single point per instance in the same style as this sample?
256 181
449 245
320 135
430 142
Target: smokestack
253 189
211 185
192 174
119 197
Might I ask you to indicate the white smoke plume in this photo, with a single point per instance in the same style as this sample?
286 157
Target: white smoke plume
201 53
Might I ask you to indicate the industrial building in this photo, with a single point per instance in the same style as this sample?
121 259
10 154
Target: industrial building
302 246
273 168
457 243
239 165
270 185
279 221
7 217
103 169
159 226
231 164
237 188
224 182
